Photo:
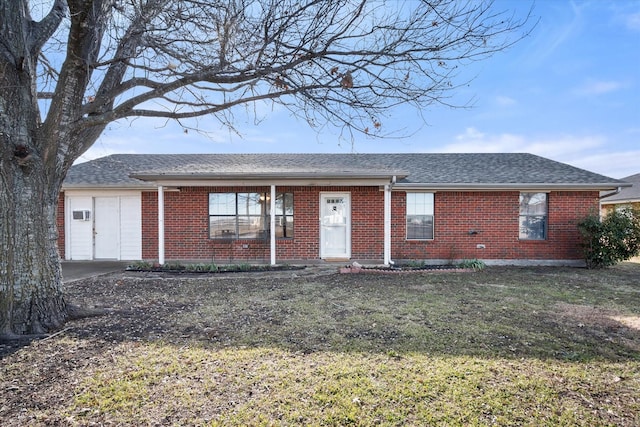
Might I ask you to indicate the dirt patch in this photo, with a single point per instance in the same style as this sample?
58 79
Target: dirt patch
605 323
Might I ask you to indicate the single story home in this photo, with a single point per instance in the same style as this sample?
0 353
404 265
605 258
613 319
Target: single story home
625 198
508 208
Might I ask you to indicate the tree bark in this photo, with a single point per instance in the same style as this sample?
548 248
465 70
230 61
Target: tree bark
31 299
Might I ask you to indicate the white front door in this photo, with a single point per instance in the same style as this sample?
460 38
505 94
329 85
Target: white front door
335 225
106 227
79 227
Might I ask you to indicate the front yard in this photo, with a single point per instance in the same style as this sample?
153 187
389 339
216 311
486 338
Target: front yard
502 346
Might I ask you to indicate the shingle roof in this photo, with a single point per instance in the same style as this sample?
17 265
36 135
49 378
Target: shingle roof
471 169
628 194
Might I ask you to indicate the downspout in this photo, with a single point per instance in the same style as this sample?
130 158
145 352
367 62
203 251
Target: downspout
387 222
160 225
618 190
272 225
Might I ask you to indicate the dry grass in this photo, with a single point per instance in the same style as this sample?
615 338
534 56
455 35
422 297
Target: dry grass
504 346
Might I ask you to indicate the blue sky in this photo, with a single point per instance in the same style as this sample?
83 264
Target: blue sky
569 92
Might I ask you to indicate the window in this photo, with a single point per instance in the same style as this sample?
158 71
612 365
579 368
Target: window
533 216
419 216
626 209
246 215
284 215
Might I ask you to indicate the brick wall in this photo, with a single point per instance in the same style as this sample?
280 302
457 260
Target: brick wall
187 226
494 215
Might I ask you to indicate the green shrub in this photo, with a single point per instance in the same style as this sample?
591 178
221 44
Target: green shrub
475 264
612 239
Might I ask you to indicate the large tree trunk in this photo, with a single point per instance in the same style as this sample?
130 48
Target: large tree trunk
31 300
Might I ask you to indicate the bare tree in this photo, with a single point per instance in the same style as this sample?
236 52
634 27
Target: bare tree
83 64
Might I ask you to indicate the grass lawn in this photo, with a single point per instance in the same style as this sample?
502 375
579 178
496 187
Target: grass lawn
502 346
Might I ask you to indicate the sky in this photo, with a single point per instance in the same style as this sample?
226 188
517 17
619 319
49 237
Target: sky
570 92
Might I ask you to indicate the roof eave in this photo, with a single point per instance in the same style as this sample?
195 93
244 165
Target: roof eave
509 186
607 201
260 176
143 186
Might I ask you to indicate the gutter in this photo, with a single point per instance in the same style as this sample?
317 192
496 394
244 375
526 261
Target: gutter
618 190
282 175
511 186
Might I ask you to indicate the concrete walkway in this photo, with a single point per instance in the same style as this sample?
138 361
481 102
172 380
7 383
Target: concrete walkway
76 270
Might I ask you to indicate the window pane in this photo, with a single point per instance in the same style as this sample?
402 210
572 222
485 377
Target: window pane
533 203
284 203
532 227
251 203
250 227
222 227
419 227
222 203
419 203
284 226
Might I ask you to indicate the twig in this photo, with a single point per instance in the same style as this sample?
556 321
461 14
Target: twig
56 334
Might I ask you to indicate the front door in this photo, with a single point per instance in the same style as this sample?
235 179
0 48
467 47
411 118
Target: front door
335 225
106 227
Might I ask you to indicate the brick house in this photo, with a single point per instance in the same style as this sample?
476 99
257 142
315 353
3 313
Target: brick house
623 198
376 208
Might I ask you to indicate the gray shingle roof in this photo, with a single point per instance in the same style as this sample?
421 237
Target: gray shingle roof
474 170
628 194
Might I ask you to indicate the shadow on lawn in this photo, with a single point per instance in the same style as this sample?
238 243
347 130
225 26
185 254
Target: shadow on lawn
544 313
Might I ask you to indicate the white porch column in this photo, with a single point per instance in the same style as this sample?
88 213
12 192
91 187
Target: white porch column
160 225
387 224
272 225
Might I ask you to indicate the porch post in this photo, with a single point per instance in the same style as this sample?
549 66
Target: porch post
387 224
272 225
160 225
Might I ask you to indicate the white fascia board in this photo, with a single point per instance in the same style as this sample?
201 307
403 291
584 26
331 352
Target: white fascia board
539 187
277 182
619 201
102 192
95 187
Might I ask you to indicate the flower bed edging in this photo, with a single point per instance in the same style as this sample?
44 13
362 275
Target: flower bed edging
373 270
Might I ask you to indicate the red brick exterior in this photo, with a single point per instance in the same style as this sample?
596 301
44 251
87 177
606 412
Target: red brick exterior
187 226
494 215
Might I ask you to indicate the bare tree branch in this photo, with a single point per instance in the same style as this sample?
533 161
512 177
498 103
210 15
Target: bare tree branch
42 31
342 63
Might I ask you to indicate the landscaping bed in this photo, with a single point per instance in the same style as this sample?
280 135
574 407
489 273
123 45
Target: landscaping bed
210 268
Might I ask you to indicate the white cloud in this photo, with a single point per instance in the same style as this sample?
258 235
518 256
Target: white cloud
614 164
590 152
599 87
564 146
505 101
632 21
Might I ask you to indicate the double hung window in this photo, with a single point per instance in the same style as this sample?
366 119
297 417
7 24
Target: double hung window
420 216
533 216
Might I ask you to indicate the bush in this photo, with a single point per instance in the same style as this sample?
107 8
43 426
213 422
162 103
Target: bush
613 239
475 264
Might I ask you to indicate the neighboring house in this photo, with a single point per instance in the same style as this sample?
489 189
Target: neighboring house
277 208
628 197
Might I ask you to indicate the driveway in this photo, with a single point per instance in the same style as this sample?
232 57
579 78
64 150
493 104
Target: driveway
76 270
